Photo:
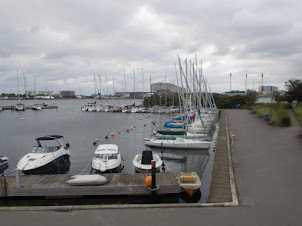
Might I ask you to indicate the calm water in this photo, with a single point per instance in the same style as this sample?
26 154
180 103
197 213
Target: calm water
82 128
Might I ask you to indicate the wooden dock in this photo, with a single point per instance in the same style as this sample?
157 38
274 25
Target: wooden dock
220 190
117 184
30 107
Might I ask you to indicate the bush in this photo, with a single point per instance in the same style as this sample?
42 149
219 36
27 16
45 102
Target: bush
278 115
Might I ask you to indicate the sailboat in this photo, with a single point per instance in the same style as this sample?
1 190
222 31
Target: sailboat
36 107
19 106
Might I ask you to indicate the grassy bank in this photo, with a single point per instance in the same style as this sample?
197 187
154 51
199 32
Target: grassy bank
298 112
277 113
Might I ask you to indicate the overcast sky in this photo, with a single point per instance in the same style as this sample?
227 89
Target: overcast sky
64 43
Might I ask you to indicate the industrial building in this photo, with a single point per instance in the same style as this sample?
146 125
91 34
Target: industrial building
161 87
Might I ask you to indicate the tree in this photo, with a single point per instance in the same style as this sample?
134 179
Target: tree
277 96
294 90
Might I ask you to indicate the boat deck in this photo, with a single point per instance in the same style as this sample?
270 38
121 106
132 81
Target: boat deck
117 184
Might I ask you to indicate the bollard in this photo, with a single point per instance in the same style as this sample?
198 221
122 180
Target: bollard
232 141
3 187
18 178
153 186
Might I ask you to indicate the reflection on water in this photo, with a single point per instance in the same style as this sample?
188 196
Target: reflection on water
81 130
190 198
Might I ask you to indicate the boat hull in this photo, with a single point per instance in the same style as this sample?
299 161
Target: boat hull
59 165
178 144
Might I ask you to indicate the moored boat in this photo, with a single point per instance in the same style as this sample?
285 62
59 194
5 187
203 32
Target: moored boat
37 107
189 182
107 158
179 143
49 154
3 160
142 162
20 107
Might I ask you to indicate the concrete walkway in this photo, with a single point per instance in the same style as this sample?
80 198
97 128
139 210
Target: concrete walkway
268 173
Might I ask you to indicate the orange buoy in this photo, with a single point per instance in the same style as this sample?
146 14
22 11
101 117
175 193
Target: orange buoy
112 134
148 180
131 128
136 117
118 132
97 139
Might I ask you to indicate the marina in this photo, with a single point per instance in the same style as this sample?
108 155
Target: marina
83 129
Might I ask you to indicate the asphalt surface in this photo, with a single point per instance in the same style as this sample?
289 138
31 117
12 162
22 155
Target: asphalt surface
268 174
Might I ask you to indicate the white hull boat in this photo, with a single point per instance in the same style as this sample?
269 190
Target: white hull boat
37 107
106 159
3 160
142 162
179 143
48 155
20 107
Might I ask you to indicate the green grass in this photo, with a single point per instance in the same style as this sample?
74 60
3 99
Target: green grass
298 112
278 115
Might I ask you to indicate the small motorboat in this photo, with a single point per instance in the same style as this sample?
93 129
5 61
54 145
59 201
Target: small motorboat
189 182
37 107
20 107
107 158
3 160
142 162
47 156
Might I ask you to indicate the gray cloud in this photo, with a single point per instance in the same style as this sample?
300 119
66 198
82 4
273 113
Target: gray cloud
64 43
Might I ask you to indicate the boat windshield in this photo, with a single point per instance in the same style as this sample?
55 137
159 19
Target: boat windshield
106 157
45 146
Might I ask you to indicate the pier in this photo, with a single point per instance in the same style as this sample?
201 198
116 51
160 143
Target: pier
31 106
48 186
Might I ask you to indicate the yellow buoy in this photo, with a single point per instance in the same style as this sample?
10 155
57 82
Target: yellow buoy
22 118
112 134
148 180
131 128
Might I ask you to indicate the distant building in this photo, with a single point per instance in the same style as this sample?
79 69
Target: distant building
67 94
30 93
235 93
161 87
268 90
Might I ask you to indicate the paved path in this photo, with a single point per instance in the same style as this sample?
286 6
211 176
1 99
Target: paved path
268 172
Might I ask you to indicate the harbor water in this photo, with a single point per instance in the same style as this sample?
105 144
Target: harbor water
81 129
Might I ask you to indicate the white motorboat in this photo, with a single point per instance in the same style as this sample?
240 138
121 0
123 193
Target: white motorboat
20 107
107 158
142 162
180 143
49 154
189 182
37 107
89 107
3 160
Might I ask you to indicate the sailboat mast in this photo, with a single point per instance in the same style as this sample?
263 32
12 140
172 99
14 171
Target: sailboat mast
134 83
18 85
